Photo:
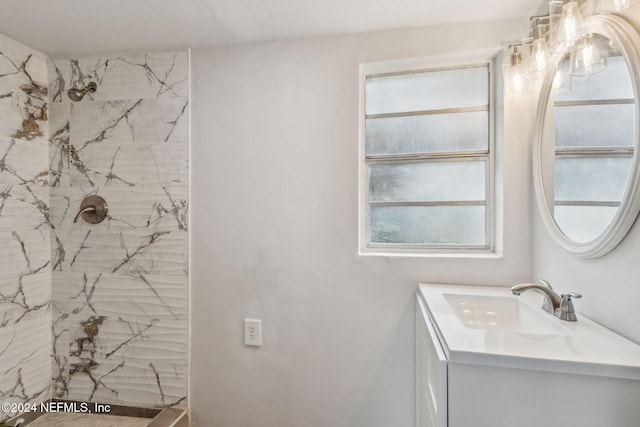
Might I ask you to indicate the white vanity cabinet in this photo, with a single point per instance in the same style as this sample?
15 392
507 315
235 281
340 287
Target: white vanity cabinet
481 375
431 370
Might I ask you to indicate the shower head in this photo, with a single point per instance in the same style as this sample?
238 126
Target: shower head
77 94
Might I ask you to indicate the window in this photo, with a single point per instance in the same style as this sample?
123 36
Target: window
427 161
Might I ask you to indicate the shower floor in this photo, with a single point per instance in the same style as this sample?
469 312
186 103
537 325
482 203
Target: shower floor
88 420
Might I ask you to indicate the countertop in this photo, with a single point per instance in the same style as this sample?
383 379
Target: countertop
584 347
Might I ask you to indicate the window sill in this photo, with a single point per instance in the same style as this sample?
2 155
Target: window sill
404 254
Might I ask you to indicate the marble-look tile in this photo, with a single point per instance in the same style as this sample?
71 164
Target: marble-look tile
29 61
23 92
129 252
59 74
25 361
59 146
146 207
60 217
25 289
23 207
155 296
24 162
25 275
120 299
150 208
24 253
61 208
132 382
139 120
118 335
60 282
59 375
19 117
128 338
157 75
60 307
24 297
129 164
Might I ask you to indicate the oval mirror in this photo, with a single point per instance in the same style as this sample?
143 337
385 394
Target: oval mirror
585 147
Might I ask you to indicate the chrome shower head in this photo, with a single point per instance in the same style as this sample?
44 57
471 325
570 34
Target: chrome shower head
77 94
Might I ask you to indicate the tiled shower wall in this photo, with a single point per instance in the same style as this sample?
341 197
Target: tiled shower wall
25 272
120 288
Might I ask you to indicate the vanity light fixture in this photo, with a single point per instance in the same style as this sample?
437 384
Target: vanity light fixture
550 36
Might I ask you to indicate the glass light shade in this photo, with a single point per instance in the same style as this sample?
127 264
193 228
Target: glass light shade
562 80
517 79
539 59
514 72
587 58
609 6
620 5
555 13
570 24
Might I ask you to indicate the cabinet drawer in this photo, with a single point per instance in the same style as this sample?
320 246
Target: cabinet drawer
431 367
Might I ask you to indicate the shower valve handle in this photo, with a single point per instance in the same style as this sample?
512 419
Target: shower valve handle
87 209
93 210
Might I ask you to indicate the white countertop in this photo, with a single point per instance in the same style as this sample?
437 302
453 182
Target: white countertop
581 347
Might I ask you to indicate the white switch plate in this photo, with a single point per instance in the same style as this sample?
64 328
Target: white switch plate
253 332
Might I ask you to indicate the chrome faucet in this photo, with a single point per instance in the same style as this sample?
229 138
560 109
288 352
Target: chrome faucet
560 306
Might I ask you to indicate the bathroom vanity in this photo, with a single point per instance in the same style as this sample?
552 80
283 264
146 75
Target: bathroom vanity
486 357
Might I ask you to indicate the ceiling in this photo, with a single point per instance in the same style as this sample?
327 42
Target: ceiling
84 26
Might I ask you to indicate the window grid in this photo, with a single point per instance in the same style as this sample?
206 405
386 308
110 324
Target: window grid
485 155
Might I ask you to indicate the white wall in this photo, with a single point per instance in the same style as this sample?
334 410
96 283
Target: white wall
274 163
609 285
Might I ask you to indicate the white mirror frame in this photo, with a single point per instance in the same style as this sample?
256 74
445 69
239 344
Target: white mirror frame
627 39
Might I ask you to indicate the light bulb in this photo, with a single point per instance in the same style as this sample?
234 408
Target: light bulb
516 72
561 81
587 55
621 5
540 55
517 82
558 79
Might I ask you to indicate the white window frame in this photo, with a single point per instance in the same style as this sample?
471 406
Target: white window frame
413 66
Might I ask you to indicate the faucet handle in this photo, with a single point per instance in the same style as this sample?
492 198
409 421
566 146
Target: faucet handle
570 295
565 311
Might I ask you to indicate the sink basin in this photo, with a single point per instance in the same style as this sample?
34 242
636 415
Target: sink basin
488 325
503 314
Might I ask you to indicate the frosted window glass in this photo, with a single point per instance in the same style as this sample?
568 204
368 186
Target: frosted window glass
445 225
431 90
599 85
591 179
428 134
595 125
583 223
427 182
